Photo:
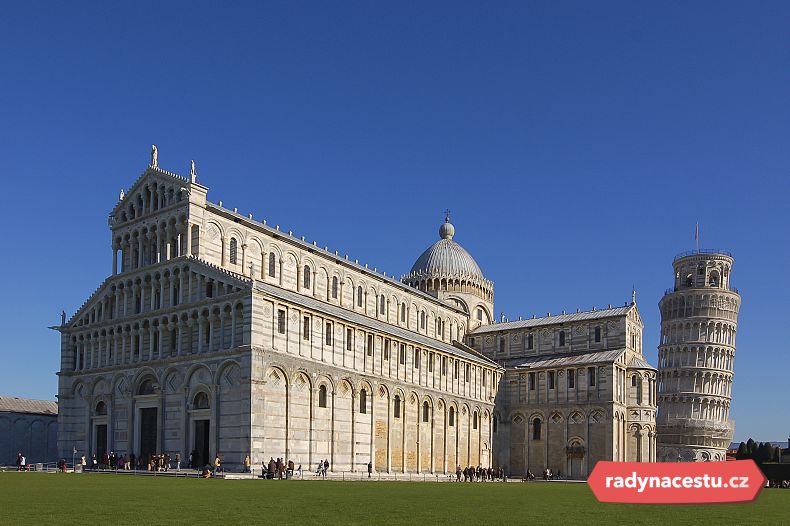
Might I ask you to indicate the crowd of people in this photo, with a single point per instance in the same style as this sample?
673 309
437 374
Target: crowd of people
159 462
479 474
279 469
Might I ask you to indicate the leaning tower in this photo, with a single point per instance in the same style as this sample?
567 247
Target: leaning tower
699 321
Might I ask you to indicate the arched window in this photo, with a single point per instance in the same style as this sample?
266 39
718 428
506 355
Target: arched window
397 406
530 341
363 401
422 320
101 409
359 296
382 305
562 338
234 249
200 401
536 429
146 388
307 276
633 381
403 312
451 417
334 287
597 335
474 421
322 396
425 411
272 265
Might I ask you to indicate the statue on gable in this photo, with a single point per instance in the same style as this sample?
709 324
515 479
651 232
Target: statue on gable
121 195
192 172
154 156
63 317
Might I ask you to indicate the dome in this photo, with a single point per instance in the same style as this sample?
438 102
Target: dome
446 258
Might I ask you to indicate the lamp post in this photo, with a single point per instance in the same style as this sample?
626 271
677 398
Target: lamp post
73 459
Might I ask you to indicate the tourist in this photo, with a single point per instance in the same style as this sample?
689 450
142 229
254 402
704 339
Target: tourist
319 468
217 464
132 461
290 473
271 468
370 468
247 464
83 463
458 472
94 463
19 461
178 462
23 462
299 470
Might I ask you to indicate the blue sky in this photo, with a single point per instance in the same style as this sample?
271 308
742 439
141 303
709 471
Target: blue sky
577 144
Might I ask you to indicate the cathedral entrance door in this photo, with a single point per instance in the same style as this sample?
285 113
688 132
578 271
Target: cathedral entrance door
576 468
100 441
201 443
148 429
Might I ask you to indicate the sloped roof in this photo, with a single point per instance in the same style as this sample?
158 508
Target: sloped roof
556 319
13 404
639 363
373 323
567 360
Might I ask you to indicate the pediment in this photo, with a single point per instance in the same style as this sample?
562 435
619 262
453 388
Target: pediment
157 271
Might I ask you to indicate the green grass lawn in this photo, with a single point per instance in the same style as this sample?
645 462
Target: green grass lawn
41 498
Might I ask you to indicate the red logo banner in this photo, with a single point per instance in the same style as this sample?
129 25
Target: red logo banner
676 482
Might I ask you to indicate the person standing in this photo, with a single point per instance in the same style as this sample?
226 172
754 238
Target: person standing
23 462
370 468
178 461
247 464
217 464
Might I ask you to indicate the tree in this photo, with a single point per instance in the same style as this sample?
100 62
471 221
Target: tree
751 447
742 453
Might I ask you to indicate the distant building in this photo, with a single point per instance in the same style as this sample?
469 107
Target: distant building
696 354
218 334
576 390
30 427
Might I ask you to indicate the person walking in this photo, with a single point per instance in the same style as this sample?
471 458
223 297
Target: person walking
178 461
217 464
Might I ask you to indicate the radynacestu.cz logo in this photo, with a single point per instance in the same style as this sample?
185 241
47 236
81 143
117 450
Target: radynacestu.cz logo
676 482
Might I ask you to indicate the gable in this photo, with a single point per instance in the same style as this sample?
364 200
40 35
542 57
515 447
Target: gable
92 310
153 190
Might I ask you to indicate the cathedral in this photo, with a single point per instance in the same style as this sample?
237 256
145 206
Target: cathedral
217 334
